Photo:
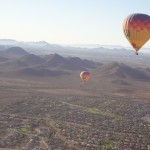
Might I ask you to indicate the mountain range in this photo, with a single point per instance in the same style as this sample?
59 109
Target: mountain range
18 61
99 53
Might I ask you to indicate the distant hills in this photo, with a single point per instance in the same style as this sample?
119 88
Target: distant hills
71 63
120 70
17 61
31 59
13 52
99 53
30 46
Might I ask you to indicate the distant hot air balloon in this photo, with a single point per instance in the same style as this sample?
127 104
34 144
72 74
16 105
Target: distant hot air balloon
85 75
137 30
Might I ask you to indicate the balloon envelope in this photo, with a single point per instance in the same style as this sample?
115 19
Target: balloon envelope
137 30
85 75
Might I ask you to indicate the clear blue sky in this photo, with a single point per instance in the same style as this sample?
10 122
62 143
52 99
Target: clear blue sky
68 21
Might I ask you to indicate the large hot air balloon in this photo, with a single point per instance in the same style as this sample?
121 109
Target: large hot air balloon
85 75
137 30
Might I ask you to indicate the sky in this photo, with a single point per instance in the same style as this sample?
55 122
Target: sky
68 21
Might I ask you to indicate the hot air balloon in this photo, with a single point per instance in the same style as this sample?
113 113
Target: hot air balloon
136 28
85 75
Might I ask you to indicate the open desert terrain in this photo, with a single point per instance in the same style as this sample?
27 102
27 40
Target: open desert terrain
46 106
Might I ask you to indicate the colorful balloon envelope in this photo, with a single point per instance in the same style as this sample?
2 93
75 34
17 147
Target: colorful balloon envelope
137 30
85 75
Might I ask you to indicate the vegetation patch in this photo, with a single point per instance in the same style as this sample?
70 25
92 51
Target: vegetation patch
92 111
97 112
24 130
109 144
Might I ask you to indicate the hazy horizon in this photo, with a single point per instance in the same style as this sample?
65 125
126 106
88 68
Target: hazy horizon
89 46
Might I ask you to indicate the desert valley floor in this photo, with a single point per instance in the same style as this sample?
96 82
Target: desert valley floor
41 114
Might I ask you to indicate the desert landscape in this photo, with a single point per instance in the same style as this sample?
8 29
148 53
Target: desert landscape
46 106
74 75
